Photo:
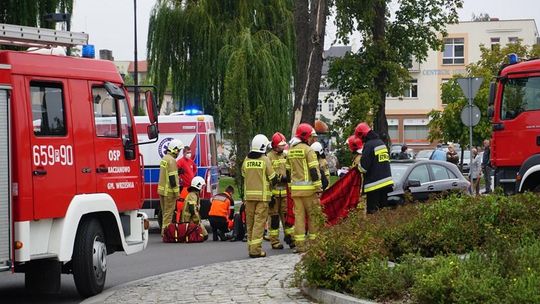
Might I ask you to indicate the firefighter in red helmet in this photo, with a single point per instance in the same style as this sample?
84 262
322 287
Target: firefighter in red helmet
375 164
355 145
306 187
278 205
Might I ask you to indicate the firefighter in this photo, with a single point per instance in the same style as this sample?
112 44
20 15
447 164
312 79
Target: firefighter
306 187
221 212
259 176
190 213
323 164
168 186
355 145
375 164
278 205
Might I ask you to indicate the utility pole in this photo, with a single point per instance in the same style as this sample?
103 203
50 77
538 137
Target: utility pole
136 67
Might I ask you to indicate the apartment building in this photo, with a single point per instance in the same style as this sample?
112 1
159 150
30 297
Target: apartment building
407 114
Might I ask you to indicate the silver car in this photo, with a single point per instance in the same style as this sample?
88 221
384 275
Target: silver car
423 179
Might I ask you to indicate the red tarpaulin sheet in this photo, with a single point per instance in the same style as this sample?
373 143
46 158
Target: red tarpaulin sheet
337 200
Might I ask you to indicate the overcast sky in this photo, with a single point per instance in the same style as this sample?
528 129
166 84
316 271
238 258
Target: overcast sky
109 23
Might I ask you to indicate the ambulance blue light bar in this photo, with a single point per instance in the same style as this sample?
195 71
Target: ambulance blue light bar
193 112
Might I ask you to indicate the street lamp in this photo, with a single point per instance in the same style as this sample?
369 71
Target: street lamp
136 78
60 17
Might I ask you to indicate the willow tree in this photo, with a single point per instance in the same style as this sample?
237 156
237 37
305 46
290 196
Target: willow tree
31 12
229 58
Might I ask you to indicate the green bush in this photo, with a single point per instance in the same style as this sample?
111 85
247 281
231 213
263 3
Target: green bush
499 234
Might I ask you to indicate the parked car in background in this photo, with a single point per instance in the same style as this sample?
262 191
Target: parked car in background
423 179
396 149
424 154
465 162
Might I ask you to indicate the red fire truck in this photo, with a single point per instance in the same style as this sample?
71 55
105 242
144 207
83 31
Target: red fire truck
71 179
194 130
515 117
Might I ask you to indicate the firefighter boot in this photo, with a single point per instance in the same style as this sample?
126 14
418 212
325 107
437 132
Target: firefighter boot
274 232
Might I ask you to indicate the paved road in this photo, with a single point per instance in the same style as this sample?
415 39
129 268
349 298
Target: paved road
158 258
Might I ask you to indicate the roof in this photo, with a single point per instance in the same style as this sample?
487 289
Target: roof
142 66
333 52
522 67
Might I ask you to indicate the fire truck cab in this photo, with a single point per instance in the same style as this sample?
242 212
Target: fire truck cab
71 179
515 116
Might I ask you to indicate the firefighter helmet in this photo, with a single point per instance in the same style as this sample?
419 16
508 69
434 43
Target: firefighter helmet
355 143
198 182
175 146
259 143
278 139
304 131
362 130
317 147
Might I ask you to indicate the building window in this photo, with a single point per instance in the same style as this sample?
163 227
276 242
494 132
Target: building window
393 133
412 91
495 43
48 112
331 106
454 50
513 39
319 106
416 134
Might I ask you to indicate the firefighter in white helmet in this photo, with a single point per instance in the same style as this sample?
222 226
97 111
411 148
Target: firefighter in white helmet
168 185
323 164
190 213
259 176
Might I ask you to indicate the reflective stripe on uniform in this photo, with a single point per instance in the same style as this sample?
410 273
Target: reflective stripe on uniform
312 236
300 237
289 230
273 232
378 184
380 149
313 164
257 241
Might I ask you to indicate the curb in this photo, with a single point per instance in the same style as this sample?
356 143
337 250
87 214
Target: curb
327 296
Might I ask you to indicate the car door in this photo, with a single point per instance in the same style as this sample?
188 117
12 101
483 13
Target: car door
443 179
420 173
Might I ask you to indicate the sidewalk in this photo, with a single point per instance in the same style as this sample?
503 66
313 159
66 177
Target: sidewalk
263 280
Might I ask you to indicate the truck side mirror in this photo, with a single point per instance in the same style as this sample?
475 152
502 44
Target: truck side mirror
151 107
114 90
490 112
152 131
492 91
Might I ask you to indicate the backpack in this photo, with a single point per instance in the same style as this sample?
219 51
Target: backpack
183 233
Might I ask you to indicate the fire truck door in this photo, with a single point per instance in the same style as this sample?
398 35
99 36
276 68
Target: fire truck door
117 167
51 139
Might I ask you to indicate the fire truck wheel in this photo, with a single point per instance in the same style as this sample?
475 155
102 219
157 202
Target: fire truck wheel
89 258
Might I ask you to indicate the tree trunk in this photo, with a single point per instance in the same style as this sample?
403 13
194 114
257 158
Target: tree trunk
380 124
310 26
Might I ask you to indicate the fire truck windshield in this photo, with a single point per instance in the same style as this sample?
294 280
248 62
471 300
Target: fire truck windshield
520 95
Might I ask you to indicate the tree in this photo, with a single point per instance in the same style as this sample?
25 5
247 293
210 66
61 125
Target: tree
390 42
446 125
232 59
310 28
481 17
31 12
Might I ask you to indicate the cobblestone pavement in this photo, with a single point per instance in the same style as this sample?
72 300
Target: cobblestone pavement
263 280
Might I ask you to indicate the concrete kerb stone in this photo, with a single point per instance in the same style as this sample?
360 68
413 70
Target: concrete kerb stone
327 296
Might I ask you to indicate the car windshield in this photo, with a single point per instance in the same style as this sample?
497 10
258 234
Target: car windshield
424 154
398 170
